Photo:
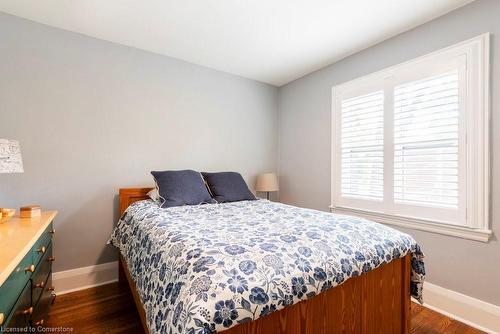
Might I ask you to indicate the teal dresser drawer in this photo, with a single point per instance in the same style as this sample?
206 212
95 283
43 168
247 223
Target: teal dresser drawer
40 276
42 243
43 304
22 311
12 287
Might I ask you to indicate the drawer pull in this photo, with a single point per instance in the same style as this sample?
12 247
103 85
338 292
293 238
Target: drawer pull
40 285
52 288
51 259
29 310
39 323
53 295
41 250
2 318
52 231
30 268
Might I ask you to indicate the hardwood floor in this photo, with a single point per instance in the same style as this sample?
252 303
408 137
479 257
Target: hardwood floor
427 321
110 309
105 309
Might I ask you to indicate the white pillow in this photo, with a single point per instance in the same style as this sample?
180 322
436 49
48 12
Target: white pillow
154 195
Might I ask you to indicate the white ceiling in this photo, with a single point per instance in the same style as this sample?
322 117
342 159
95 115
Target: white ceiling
274 41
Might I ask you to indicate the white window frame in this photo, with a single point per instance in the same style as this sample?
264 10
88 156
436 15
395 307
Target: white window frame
473 222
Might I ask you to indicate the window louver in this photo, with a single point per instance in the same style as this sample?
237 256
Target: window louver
362 157
426 128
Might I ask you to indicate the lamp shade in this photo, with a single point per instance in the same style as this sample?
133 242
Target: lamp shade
10 156
267 182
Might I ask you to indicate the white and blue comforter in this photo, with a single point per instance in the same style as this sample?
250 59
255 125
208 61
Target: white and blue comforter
200 269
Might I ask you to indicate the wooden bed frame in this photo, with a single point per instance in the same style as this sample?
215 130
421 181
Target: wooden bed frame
376 302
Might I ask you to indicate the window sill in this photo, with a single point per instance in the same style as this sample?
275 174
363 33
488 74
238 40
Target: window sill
418 224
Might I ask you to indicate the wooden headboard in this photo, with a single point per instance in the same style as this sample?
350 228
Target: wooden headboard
131 195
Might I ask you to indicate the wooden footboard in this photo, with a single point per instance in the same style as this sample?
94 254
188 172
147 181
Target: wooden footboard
375 302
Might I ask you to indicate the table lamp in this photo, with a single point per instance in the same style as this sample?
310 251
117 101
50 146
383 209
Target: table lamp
10 162
267 182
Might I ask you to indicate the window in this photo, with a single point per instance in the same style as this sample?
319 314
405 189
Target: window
363 146
410 143
426 119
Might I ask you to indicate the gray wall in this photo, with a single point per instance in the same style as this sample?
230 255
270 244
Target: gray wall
93 116
469 267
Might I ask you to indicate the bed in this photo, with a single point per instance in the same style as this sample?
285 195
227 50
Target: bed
264 267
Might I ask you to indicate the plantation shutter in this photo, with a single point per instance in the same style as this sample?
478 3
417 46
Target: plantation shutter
426 133
362 149
410 143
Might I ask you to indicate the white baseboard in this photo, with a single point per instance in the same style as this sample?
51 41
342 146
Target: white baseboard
471 311
85 277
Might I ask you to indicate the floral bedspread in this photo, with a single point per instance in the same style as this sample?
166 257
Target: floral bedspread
205 268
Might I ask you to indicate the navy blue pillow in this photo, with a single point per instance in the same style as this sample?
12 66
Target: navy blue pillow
181 187
228 187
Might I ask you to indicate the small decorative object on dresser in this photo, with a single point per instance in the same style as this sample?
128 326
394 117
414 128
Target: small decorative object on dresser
267 182
30 211
10 162
5 214
26 271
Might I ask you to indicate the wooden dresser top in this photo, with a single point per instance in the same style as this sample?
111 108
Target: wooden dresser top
17 237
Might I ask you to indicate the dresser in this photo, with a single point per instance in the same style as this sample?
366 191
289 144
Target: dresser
26 291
